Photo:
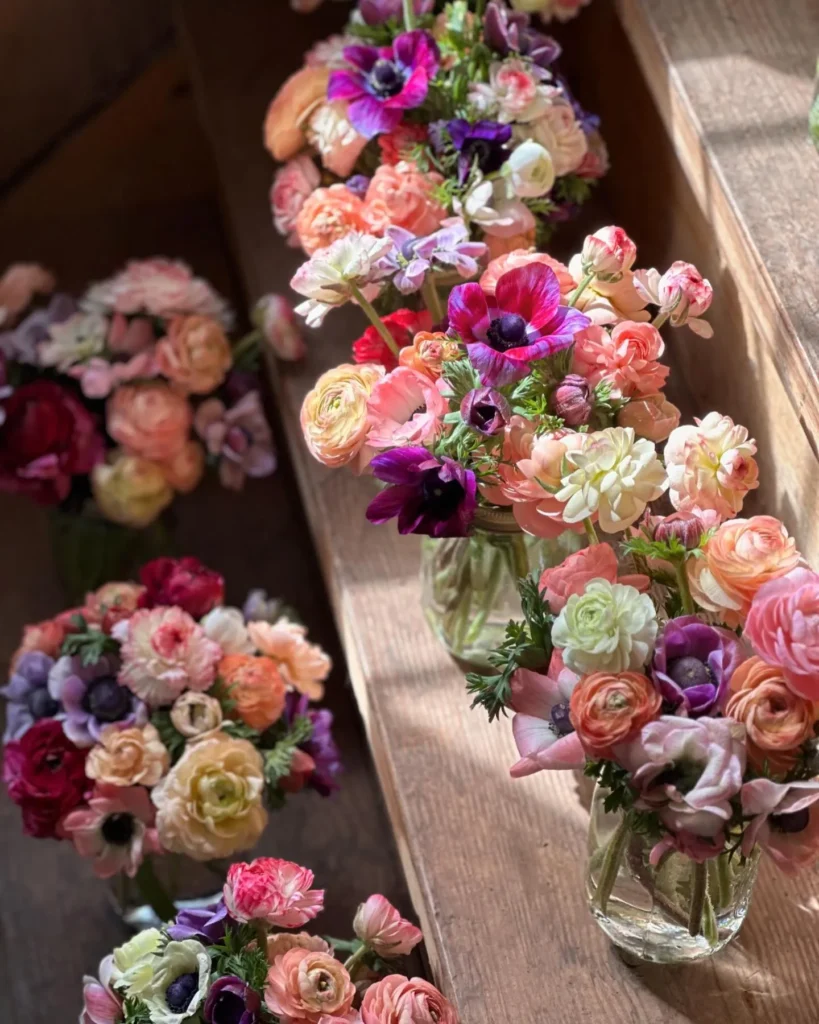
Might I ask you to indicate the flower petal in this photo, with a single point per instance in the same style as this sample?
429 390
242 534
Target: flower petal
496 368
467 308
532 292
369 117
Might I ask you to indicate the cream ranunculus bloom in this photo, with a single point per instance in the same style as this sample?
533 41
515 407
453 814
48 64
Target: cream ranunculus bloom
227 627
210 803
130 490
128 757
334 416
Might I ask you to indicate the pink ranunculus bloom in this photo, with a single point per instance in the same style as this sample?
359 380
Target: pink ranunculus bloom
272 890
571 576
164 651
711 465
608 252
682 294
116 830
277 320
98 378
403 197
521 258
378 924
100 1003
498 246
651 416
405 408
127 337
786 822
542 728
627 358
609 302
292 186
399 1000
696 848
783 628
709 755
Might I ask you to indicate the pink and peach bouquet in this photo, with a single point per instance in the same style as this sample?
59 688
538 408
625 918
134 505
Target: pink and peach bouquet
444 132
156 719
678 664
114 404
245 960
543 378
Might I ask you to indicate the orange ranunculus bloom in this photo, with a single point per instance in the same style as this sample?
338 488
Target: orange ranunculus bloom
608 708
256 686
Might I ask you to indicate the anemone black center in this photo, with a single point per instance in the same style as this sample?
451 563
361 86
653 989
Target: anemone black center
385 79
179 993
689 671
484 152
795 822
441 497
561 722
683 776
41 704
506 331
484 414
106 700
229 1008
118 829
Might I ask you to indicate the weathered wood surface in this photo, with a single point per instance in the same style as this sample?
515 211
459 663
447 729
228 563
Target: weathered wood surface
495 867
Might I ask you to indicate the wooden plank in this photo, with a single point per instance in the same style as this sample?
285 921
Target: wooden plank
495 867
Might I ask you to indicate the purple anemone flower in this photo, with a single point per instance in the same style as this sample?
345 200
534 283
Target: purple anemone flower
376 12
27 695
429 496
232 1001
522 322
207 924
321 746
93 698
508 32
385 81
693 664
448 248
480 142
485 410
20 343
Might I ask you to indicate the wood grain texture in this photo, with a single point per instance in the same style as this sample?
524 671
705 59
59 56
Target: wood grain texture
495 867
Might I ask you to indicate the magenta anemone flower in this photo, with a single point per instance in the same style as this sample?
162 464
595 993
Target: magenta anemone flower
385 81
522 322
429 496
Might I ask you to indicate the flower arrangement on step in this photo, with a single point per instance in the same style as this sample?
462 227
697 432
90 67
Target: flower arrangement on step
242 960
468 428
678 666
374 12
155 720
431 130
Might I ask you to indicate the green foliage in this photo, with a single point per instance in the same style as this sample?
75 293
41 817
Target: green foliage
279 758
461 377
612 777
571 188
173 740
671 550
240 731
232 956
135 1011
88 643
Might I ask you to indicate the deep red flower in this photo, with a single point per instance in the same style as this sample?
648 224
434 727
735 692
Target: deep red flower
47 437
403 325
183 582
45 776
399 144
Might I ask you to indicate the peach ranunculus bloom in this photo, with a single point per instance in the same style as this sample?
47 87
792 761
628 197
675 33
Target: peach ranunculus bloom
255 686
405 408
272 890
777 721
428 353
18 286
46 636
399 1000
522 258
129 489
185 469
280 942
111 603
195 354
498 246
571 576
327 215
292 185
739 558
334 417
611 708
627 358
401 196
711 466
331 134
209 804
302 665
164 651
651 416
128 757
288 112
151 420
303 986
378 924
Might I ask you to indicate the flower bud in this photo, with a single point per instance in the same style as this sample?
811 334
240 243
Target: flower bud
572 400
685 526
196 714
277 321
608 253
684 290
379 924
485 410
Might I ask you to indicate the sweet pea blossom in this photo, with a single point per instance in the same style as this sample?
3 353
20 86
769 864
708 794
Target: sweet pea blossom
272 890
682 294
378 924
74 340
275 317
240 437
508 32
448 248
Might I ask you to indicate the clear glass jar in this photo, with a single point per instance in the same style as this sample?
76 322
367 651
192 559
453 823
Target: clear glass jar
469 584
676 912
163 886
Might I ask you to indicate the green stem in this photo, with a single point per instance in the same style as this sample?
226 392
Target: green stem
248 342
591 533
352 963
520 556
585 281
685 589
660 319
374 319
409 15
153 892
611 863
699 891
433 300
261 935
724 876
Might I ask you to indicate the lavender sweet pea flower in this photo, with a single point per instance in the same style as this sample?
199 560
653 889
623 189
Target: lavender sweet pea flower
232 1001
448 248
481 142
693 664
27 695
206 924
376 12
93 698
522 322
321 746
485 410
258 607
429 496
385 81
508 32
20 345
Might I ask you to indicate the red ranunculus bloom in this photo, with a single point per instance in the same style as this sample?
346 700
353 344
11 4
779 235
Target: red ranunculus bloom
183 582
45 776
48 436
399 144
403 325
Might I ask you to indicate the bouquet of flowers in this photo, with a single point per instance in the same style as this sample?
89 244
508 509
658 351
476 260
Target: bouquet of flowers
241 961
154 719
433 132
678 668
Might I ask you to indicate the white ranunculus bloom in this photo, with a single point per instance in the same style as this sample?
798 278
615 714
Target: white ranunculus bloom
227 627
530 170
